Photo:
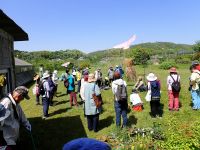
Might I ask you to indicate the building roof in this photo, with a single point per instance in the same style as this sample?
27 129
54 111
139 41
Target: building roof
12 28
19 62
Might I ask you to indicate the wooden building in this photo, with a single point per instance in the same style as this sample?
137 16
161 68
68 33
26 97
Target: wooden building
24 72
9 32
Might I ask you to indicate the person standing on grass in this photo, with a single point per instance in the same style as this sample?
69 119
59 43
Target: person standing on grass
120 99
110 75
195 90
154 89
173 81
78 77
46 95
12 123
36 78
91 111
55 80
71 90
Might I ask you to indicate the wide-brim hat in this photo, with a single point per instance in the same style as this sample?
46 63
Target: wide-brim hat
91 78
173 69
151 77
4 113
45 75
36 77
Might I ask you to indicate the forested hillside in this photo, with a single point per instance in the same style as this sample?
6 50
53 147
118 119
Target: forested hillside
54 59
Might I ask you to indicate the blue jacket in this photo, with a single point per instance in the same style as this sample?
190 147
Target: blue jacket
155 89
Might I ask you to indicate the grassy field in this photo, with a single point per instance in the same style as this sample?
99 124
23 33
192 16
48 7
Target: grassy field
67 123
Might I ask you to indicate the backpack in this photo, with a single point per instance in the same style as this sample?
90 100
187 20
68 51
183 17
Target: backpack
198 82
41 90
121 93
66 83
51 85
176 86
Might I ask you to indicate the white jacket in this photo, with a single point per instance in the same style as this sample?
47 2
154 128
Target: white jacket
115 83
11 124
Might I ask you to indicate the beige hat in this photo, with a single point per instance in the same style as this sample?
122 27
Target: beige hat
91 78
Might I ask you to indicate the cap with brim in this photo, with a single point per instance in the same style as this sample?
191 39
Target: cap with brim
4 113
23 91
151 77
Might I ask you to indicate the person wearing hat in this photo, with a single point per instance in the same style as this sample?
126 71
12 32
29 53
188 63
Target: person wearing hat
195 87
110 75
91 111
154 88
12 123
46 96
98 77
173 94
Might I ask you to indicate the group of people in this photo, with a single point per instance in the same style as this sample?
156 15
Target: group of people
11 114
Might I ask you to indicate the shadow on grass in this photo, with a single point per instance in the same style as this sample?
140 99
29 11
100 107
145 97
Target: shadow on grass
106 122
64 94
60 102
132 120
51 134
60 111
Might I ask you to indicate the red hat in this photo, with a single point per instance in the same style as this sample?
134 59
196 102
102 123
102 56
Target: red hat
197 67
173 69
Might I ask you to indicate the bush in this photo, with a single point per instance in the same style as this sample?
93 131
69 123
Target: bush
182 60
167 65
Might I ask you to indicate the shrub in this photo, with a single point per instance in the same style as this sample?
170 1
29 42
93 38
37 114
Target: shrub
167 65
182 60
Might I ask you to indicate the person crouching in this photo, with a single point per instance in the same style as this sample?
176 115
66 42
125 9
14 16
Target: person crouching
137 104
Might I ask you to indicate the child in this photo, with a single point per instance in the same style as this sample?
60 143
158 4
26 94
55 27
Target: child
135 99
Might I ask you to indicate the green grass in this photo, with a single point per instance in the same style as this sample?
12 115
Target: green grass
65 124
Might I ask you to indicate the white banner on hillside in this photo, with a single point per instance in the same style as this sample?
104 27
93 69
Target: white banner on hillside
126 44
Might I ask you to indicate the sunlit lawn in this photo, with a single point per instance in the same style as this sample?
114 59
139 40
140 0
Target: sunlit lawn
65 124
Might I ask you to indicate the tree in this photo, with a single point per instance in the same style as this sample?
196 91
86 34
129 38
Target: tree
140 56
196 47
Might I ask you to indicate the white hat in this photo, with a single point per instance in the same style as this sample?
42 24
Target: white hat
45 75
4 113
151 77
55 71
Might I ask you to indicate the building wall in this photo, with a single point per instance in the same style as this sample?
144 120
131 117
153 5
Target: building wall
7 63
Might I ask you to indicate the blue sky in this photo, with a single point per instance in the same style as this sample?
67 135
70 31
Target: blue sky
91 25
